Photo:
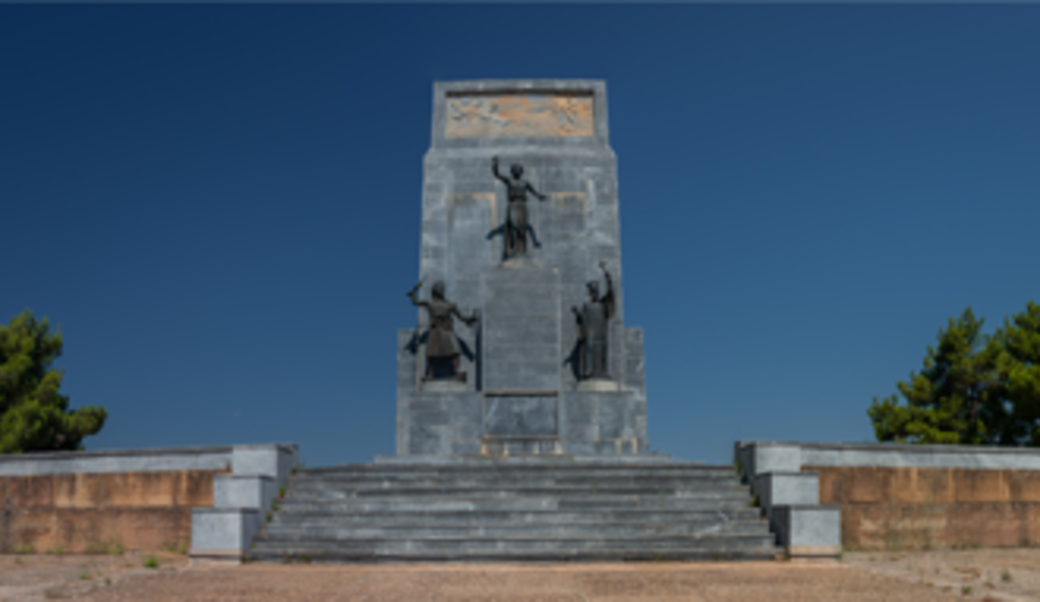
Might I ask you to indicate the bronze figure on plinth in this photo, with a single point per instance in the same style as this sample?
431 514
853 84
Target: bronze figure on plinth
593 324
516 214
442 348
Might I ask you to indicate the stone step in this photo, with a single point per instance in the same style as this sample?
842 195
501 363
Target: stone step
553 460
556 554
537 510
538 517
318 531
447 504
327 493
549 471
715 541
519 481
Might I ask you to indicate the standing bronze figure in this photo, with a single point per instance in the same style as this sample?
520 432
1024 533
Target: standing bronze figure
442 348
516 215
593 322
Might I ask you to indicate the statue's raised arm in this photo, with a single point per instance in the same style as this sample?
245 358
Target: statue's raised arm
608 296
415 300
494 170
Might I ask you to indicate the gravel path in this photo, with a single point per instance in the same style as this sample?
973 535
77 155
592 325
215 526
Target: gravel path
989 575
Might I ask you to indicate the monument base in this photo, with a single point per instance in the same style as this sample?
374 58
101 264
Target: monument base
521 446
598 384
444 386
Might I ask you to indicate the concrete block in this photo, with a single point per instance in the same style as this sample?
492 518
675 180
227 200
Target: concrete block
787 488
761 458
807 531
223 533
233 491
275 461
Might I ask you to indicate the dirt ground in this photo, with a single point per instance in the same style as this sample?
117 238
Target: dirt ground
990 575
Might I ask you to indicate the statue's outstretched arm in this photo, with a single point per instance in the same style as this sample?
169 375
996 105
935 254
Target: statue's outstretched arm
541 197
470 319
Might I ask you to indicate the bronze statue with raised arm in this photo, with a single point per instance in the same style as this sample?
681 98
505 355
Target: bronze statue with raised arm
442 348
516 214
593 324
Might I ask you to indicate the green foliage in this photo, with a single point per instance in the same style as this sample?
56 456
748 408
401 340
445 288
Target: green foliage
973 389
34 416
1019 368
151 562
176 548
114 547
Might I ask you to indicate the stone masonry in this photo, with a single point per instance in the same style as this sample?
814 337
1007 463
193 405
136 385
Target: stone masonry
520 360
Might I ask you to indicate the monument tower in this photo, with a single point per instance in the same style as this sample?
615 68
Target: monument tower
521 245
521 404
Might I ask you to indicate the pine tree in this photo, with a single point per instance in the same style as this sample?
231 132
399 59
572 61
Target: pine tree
34 416
1019 368
955 398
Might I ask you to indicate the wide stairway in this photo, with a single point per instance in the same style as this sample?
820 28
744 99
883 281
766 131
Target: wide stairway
535 510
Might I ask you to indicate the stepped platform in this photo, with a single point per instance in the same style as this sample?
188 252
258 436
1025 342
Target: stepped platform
516 509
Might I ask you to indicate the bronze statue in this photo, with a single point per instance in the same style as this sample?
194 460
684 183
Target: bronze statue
442 348
593 321
516 215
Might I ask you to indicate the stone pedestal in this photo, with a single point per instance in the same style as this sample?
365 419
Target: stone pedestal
601 385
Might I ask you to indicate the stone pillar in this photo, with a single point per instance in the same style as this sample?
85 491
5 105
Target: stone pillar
521 377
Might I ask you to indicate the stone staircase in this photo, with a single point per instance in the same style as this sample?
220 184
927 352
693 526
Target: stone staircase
516 510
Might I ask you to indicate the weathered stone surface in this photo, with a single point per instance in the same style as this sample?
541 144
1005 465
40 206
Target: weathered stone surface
521 415
443 423
140 499
904 497
87 512
519 114
527 337
549 508
521 328
915 508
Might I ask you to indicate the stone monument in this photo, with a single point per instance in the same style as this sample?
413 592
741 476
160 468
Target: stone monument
593 326
516 226
442 348
528 378
547 370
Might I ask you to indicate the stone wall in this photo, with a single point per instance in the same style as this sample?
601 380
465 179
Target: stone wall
148 499
97 512
906 497
924 508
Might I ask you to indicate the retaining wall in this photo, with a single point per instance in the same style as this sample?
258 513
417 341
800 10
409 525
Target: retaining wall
902 497
180 498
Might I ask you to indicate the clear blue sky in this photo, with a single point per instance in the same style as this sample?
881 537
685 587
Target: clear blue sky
220 206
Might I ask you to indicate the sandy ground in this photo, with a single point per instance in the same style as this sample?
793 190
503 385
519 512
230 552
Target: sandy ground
990 575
